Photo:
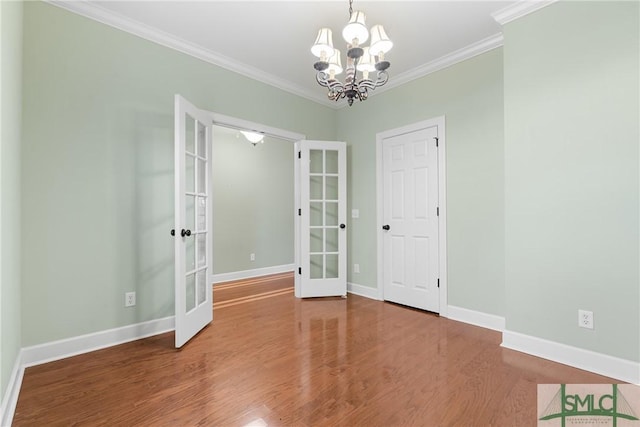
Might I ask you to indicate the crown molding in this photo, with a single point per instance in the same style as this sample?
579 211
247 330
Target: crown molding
467 52
95 12
519 9
92 11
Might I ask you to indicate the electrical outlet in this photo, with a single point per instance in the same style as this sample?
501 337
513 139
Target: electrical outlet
356 268
129 299
252 257
585 319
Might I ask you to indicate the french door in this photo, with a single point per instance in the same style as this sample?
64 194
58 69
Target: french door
193 292
321 232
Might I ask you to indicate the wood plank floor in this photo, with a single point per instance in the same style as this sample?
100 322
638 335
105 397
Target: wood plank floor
271 359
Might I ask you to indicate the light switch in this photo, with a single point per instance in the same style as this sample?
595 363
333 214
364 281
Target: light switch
355 213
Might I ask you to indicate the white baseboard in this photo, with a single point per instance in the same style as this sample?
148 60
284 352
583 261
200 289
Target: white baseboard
477 318
56 350
363 291
610 366
247 274
10 399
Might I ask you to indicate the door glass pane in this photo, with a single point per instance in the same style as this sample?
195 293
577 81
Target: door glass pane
202 138
201 281
316 240
315 161
315 217
331 235
190 252
331 188
202 176
189 173
190 136
190 301
315 188
317 266
190 212
331 213
202 214
201 240
331 165
332 266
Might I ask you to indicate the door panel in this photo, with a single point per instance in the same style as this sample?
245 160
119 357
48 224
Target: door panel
322 222
410 197
193 295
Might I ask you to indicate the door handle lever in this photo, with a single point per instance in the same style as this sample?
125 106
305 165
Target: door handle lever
386 227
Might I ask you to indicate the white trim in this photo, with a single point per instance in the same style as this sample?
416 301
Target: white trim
440 122
10 400
610 366
91 10
455 57
363 291
247 274
236 123
56 350
477 318
519 9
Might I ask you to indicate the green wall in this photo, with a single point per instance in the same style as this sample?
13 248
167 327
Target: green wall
571 174
469 95
253 202
10 122
97 175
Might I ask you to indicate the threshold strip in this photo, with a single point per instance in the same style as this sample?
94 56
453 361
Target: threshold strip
251 298
250 282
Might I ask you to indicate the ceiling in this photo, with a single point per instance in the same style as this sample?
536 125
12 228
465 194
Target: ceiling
270 40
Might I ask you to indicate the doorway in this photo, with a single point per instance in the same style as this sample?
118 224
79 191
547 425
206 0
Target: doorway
412 215
252 236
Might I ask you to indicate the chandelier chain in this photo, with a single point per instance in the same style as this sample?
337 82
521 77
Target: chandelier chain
350 8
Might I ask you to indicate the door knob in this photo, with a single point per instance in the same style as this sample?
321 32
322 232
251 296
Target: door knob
173 231
342 226
386 227
185 232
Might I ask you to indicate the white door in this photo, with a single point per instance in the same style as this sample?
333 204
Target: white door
193 300
322 234
410 219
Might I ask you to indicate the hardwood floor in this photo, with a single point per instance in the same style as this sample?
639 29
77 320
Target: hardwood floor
271 359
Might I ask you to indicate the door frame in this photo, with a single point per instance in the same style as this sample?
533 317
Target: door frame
242 124
442 203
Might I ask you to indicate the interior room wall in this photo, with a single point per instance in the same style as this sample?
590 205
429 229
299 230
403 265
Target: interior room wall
571 174
97 167
469 95
253 202
10 122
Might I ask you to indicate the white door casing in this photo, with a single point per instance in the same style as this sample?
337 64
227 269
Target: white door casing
193 238
321 235
412 208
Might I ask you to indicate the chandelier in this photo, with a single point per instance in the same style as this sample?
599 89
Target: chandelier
360 60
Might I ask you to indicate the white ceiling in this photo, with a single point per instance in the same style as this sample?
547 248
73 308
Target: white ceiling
270 40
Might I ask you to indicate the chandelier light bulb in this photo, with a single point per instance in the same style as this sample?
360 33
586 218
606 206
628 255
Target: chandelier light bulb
323 47
355 32
380 42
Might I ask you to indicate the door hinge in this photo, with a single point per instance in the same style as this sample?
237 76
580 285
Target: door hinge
299 154
299 270
437 140
438 211
299 212
438 282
